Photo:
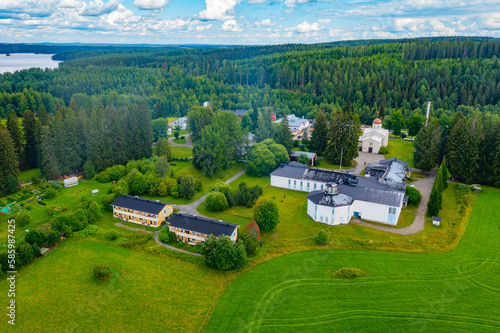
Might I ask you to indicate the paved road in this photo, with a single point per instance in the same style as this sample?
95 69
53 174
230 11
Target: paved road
187 144
364 159
424 186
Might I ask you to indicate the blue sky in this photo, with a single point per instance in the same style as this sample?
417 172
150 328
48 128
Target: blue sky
241 21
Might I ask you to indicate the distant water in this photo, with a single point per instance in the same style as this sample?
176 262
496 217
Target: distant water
19 61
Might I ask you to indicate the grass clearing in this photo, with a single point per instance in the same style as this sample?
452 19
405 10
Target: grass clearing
452 291
26 175
146 293
180 141
401 149
324 164
181 151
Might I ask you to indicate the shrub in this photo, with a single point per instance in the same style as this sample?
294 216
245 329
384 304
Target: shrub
22 218
56 185
216 201
112 235
403 135
167 236
93 212
35 180
108 200
176 134
102 273
103 177
35 236
186 186
90 230
266 215
349 273
36 250
413 196
383 150
245 196
52 236
321 237
296 143
50 193
303 159
251 246
42 203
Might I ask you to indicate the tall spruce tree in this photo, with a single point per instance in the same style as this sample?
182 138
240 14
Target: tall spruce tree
265 127
427 146
9 163
17 136
319 139
283 135
49 161
31 145
42 115
343 138
462 150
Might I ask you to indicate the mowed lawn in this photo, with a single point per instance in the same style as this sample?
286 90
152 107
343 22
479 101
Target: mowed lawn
401 149
147 293
455 291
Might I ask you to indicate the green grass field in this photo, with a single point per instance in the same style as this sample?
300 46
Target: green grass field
182 151
147 293
26 175
180 141
402 150
456 291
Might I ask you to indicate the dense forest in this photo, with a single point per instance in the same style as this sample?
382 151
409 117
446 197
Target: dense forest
96 88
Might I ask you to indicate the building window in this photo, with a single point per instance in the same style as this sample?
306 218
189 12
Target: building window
321 186
307 184
289 181
294 182
326 219
314 185
301 184
321 218
392 210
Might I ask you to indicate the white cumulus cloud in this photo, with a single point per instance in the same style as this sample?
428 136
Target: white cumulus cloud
217 9
230 25
294 3
150 4
265 23
98 7
305 27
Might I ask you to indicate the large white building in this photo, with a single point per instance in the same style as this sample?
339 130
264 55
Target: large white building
181 122
296 124
373 138
336 197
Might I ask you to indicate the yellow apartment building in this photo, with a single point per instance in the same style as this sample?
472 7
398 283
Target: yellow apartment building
141 211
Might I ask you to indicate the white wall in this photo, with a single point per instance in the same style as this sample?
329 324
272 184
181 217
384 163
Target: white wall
329 215
282 182
375 145
374 212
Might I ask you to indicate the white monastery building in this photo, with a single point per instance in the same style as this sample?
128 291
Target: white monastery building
336 197
296 124
181 122
373 138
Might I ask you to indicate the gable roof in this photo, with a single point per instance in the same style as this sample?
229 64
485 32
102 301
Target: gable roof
290 170
140 204
201 224
298 153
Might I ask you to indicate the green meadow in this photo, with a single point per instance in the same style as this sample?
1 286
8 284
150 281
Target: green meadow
455 291
147 293
401 149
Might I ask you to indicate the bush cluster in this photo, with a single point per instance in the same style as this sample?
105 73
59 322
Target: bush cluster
413 196
222 196
220 253
102 272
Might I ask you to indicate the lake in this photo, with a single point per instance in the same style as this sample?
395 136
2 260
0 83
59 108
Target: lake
19 61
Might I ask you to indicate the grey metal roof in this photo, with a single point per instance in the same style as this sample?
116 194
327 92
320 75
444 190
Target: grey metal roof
298 153
367 189
436 218
336 200
293 170
201 224
140 204
322 175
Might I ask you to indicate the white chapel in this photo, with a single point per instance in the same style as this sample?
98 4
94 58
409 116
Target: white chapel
373 138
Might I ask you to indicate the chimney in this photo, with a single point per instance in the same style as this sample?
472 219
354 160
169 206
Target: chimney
428 112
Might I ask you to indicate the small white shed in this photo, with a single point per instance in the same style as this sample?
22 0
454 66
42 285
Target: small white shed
95 192
436 220
69 182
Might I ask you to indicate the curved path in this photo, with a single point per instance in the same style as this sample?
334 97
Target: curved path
187 144
187 209
424 186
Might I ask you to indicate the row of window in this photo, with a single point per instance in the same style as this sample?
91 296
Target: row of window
301 184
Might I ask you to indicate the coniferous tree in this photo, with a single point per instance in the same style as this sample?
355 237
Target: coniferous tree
31 145
283 135
16 134
343 138
265 127
415 123
319 139
462 150
427 147
9 163
49 162
42 115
